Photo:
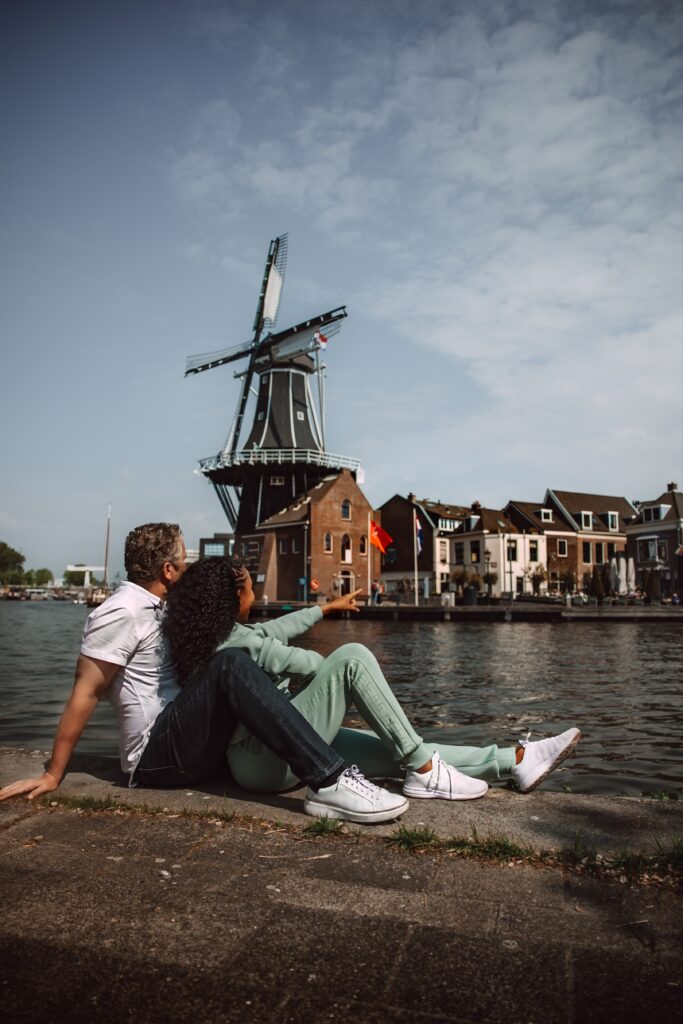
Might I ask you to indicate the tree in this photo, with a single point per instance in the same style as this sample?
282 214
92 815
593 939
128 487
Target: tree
43 577
490 579
77 579
538 576
461 578
11 564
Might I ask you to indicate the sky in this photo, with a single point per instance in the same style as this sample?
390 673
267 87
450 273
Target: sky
493 189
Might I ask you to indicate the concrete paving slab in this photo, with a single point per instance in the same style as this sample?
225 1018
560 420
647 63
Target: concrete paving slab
551 821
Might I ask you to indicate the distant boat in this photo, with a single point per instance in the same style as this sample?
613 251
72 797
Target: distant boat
100 594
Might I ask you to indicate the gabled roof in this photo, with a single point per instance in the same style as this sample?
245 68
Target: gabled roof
573 503
298 511
494 520
674 499
531 511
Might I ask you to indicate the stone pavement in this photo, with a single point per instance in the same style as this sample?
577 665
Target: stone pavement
178 915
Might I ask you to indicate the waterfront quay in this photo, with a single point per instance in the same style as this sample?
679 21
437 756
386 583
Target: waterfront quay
209 904
515 611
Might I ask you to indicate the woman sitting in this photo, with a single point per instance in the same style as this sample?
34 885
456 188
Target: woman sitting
208 610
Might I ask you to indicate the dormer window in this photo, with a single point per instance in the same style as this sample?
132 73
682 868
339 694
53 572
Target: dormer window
546 515
652 513
586 520
613 520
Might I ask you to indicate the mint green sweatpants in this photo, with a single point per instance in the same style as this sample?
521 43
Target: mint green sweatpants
351 675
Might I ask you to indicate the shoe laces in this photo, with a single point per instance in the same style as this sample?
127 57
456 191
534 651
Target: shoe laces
525 741
356 778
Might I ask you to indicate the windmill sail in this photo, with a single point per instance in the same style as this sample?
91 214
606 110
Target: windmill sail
284 452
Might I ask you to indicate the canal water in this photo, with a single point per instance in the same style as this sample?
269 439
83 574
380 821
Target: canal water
472 683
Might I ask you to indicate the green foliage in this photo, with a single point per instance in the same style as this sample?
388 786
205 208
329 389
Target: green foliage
11 564
324 827
43 577
410 840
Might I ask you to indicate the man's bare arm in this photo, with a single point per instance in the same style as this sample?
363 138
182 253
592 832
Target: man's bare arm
92 679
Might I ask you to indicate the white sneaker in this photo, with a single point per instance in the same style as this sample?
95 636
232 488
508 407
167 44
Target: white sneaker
443 782
541 757
353 798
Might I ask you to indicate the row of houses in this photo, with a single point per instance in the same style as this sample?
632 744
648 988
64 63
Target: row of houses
321 543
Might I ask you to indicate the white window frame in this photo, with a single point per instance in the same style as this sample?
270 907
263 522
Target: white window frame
586 520
277 481
546 515
562 543
328 550
283 546
613 521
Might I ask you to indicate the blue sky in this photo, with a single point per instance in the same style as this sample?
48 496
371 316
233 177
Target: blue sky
493 190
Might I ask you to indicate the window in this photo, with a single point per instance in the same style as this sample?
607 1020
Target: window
662 550
346 509
277 481
652 514
613 520
512 551
611 551
562 548
459 552
346 552
283 546
443 551
363 545
299 414
546 515
586 521
533 550
653 550
587 552
599 553
295 546
327 543
214 550
475 551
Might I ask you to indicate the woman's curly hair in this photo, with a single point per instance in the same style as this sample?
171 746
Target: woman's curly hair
201 610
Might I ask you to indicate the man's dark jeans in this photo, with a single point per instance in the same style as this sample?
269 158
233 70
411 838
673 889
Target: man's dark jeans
189 738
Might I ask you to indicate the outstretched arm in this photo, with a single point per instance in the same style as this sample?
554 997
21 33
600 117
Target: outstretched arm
91 682
345 603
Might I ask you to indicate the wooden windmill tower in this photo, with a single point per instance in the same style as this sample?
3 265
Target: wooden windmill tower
284 453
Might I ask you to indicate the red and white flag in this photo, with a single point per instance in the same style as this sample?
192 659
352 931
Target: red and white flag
321 338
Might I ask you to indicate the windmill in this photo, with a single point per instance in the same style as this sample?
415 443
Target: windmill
284 453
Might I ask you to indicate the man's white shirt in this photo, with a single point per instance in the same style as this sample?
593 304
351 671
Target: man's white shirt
126 630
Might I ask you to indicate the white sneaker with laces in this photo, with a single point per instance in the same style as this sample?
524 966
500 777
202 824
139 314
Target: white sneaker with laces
353 798
443 782
541 757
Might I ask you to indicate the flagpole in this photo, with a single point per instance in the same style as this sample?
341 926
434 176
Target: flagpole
370 556
417 599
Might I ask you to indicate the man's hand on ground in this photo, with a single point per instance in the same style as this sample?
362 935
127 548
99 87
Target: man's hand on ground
46 783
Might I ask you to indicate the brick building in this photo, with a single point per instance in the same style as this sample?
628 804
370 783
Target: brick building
655 542
318 546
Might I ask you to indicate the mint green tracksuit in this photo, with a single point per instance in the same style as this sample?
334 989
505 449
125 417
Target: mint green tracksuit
350 675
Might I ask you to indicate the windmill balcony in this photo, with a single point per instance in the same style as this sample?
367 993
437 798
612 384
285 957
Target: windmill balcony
278 456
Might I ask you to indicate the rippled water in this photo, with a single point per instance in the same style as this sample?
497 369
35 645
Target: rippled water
474 683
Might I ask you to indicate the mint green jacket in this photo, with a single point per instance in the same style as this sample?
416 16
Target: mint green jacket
267 644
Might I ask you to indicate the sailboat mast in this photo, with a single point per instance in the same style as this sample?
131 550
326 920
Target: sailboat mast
106 550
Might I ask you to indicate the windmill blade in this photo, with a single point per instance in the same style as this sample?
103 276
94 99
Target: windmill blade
271 287
207 360
302 338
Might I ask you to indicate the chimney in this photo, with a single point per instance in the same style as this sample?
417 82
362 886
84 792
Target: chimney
411 497
672 487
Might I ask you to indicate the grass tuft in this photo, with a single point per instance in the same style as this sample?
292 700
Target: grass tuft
410 840
324 827
493 847
660 794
